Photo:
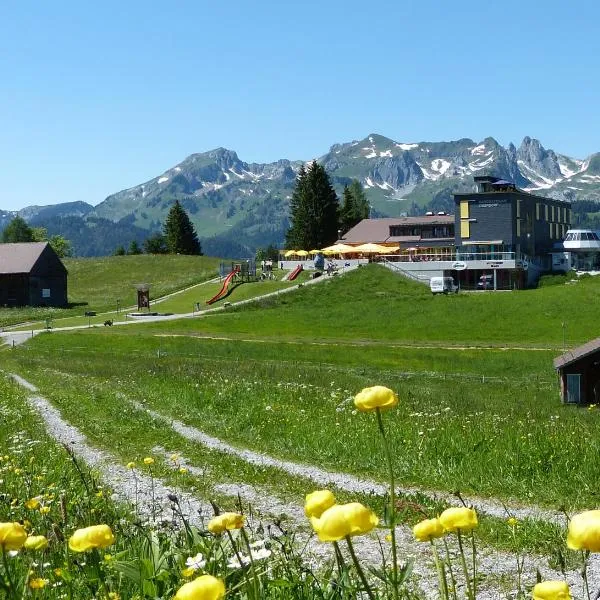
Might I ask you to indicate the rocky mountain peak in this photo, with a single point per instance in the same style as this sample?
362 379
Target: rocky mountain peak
538 161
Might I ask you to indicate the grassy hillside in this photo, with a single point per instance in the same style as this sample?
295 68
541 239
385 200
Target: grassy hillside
373 303
96 283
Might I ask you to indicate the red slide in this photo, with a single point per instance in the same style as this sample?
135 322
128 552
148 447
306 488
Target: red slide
223 289
295 273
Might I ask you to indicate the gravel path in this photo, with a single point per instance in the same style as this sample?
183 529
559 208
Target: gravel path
345 481
149 496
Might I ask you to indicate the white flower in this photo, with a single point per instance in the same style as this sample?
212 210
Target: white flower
258 544
196 562
234 563
261 554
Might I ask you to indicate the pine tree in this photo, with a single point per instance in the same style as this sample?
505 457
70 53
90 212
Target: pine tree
355 207
179 232
17 231
134 248
314 210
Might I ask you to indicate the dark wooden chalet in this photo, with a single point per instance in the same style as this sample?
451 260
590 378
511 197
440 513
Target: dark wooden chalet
579 371
31 274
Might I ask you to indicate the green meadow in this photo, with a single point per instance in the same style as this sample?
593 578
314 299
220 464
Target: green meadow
479 409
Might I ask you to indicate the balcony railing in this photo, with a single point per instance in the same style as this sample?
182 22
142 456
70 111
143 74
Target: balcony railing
451 257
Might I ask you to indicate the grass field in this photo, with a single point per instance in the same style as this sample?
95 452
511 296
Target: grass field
479 405
97 283
375 304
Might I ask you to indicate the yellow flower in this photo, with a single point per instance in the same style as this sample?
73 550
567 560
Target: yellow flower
512 522
58 572
44 510
551 590
188 571
584 531
38 583
36 542
96 536
131 465
183 470
427 530
205 587
99 494
108 557
228 520
113 596
374 397
148 460
343 520
459 519
174 457
12 536
318 502
32 503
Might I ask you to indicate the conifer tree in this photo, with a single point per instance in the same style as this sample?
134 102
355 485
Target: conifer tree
355 207
180 234
314 210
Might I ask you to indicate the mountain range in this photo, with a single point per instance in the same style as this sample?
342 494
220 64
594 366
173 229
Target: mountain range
238 206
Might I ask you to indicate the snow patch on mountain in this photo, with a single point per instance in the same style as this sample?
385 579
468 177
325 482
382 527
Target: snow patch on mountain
440 165
386 153
162 179
407 146
478 150
540 182
477 165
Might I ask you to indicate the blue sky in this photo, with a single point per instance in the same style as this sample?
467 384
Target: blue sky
97 97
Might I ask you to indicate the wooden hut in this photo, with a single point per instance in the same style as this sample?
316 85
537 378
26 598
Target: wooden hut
31 274
579 372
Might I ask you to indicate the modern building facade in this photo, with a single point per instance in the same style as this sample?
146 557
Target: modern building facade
582 246
506 233
500 237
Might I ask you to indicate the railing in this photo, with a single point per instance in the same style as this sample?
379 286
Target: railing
450 257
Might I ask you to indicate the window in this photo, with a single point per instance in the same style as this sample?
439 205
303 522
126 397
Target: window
518 209
546 211
537 211
465 229
518 227
568 217
464 209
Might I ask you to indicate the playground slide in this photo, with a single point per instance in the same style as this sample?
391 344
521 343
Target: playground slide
224 288
295 273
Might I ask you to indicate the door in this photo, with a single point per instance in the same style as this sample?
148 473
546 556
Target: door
573 389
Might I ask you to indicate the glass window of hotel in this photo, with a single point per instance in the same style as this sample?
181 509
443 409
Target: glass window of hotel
570 237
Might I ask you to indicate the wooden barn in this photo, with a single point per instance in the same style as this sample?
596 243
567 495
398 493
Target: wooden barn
579 372
31 274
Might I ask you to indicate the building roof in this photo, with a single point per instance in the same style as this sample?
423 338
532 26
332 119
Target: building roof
577 353
378 230
21 257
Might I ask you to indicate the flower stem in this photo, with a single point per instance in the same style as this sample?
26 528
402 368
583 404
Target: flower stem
12 591
464 566
392 515
359 569
254 576
452 578
585 556
474 559
441 573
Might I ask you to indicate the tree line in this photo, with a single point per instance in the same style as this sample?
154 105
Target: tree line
316 217
178 237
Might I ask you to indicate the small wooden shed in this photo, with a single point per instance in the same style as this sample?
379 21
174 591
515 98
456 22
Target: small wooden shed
579 372
31 274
